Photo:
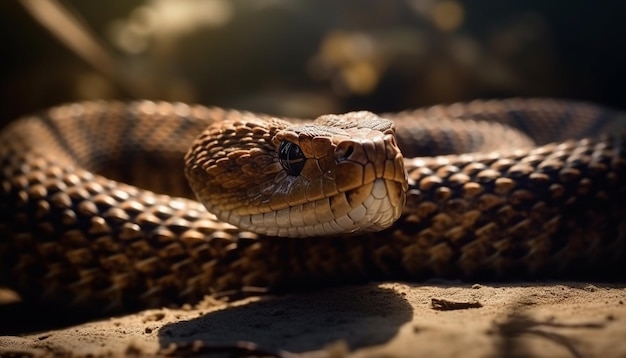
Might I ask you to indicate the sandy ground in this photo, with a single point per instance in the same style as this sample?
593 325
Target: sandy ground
548 319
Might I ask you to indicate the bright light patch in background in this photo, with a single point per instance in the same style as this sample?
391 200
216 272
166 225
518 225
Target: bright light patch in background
350 61
164 19
359 78
447 15
183 16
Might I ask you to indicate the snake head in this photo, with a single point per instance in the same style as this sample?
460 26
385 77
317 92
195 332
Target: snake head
338 174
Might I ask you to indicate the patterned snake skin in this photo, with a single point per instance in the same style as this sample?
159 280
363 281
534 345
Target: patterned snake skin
542 194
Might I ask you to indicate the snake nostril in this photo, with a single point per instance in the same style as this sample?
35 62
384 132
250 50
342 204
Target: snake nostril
349 152
344 151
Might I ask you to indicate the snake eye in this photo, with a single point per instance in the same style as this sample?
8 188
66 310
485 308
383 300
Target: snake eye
291 157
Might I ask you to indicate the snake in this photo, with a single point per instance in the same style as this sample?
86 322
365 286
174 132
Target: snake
113 206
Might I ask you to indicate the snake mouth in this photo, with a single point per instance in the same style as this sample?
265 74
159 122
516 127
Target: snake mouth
371 207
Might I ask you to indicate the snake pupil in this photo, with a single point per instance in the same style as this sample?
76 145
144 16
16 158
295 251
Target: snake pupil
291 157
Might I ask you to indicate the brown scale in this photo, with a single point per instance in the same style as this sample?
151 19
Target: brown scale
533 228
71 237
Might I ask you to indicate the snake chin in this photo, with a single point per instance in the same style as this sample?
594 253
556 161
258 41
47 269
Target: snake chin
378 211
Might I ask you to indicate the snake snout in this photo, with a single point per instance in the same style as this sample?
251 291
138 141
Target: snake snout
370 172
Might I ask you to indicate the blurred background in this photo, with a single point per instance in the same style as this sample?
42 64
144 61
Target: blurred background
304 58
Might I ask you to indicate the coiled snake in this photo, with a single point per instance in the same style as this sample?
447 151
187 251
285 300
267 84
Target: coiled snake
540 194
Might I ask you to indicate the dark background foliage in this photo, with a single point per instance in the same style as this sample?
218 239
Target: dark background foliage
305 58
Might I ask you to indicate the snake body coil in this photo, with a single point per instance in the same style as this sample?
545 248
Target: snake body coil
540 192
